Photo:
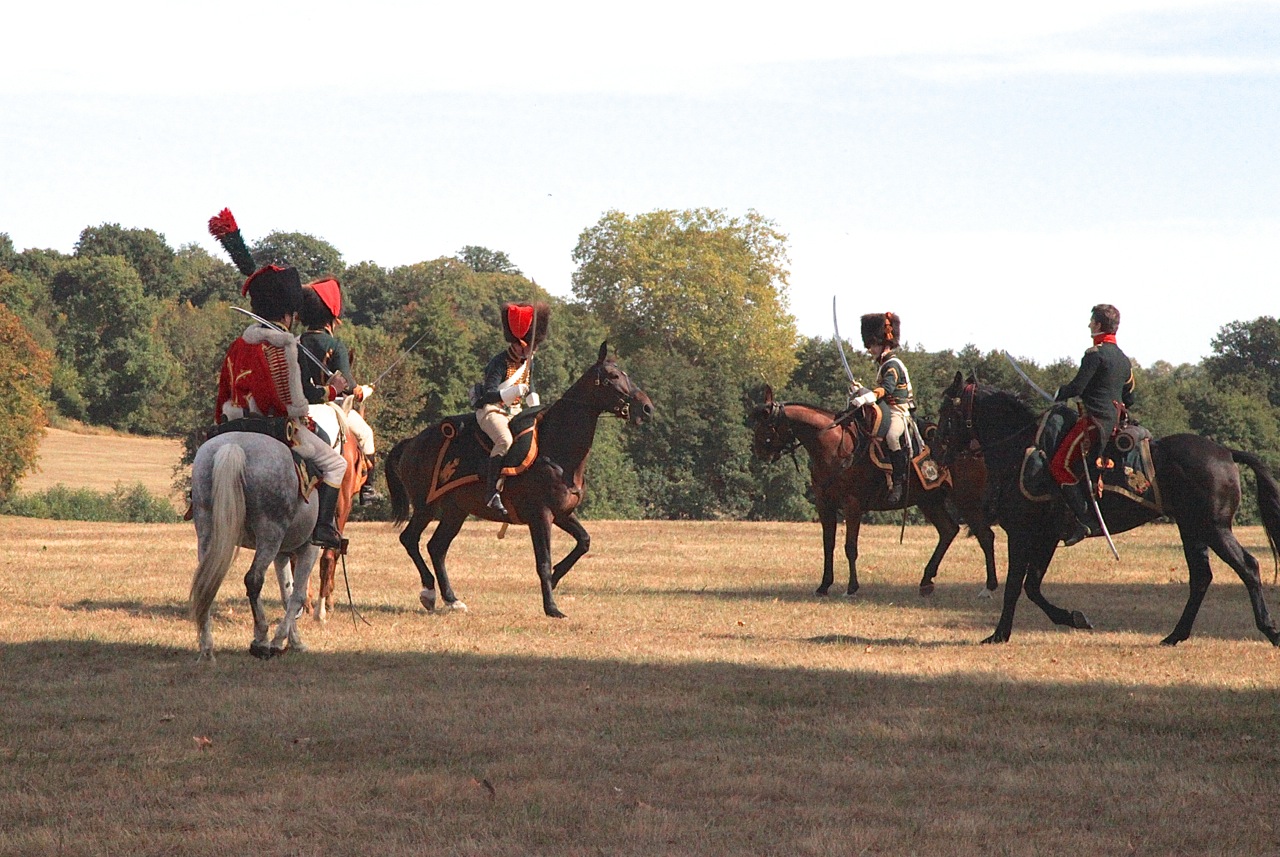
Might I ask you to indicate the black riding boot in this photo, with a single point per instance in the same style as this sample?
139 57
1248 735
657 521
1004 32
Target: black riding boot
1086 521
493 470
325 534
901 460
368 494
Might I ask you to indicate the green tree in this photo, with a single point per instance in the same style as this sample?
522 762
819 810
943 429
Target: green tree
482 260
24 387
203 277
107 334
698 283
145 249
1248 351
313 257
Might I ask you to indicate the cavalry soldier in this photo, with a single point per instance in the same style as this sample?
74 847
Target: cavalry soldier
261 376
881 334
507 386
1104 385
321 313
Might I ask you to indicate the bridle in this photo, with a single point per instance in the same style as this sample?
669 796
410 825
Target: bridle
626 396
777 443
956 429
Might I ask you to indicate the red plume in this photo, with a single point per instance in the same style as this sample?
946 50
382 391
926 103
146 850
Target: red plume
222 223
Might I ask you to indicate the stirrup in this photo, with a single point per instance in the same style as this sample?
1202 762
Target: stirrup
495 503
326 536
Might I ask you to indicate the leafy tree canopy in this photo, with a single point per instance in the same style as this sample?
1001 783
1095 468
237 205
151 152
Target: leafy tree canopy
313 257
24 386
482 260
145 249
698 283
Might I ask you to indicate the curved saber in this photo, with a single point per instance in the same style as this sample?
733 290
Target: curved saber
1024 376
396 362
835 320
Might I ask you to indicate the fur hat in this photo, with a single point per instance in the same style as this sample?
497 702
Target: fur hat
881 328
273 291
321 302
518 319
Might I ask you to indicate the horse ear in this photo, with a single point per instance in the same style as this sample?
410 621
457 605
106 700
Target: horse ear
768 394
958 380
604 351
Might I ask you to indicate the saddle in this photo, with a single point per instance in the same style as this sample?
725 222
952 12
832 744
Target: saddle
464 448
280 428
874 421
1124 464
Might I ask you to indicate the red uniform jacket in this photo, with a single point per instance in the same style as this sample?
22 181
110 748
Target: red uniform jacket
260 376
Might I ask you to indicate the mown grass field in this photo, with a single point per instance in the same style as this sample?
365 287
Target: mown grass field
698 700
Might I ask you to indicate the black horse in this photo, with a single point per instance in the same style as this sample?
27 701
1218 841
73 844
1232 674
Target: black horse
1199 490
846 483
427 472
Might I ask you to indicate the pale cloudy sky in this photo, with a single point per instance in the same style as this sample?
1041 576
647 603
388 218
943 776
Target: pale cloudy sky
989 170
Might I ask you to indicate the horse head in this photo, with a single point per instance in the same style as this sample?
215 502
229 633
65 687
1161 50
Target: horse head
955 433
611 390
772 435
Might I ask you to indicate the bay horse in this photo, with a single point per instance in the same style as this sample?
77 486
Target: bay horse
245 492
845 482
1199 488
546 494
344 443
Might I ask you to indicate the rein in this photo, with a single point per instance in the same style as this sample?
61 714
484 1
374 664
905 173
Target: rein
965 403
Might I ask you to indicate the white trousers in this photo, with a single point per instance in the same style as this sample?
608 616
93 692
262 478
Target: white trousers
332 466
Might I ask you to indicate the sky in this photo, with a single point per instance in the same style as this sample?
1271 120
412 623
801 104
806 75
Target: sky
987 170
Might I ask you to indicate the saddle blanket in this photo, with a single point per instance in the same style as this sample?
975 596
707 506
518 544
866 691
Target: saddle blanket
464 449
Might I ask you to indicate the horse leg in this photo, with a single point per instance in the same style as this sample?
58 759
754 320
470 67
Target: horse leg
936 513
410 537
286 637
253 580
582 543
987 541
540 533
852 527
1199 576
827 517
324 598
451 521
1042 555
1230 551
1018 559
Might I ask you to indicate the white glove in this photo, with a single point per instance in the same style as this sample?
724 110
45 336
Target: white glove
366 390
532 399
860 397
513 392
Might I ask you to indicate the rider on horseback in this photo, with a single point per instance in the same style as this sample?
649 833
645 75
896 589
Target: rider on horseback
1104 384
261 376
506 386
881 334
321 313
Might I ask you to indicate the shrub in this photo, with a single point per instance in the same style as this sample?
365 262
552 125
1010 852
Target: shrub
125 504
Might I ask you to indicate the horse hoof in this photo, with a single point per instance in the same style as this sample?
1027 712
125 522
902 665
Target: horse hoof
457 607
821 592
261 651
555 613
428 599
850 594
1170 641
206 658
296 646
994 639
926 589
984 593
1079 620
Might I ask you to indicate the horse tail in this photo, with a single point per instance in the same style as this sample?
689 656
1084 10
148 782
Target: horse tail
395 487
228 512
1268 498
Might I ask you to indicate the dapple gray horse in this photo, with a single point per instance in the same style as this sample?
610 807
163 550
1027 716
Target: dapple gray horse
244 493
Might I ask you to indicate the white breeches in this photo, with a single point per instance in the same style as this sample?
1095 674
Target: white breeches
494 422
361 431
897 428
332 466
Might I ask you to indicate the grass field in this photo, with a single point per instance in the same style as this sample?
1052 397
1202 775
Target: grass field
698 700
83 458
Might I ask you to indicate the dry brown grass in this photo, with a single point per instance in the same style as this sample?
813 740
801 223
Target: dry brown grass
87 458
699 699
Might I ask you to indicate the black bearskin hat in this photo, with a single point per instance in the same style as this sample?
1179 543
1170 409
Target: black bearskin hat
321 302
273 291
519 319
881 328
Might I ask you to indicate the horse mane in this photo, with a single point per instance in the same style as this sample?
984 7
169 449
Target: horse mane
1006 406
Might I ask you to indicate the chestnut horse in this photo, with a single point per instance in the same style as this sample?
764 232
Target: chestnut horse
344 444
547 492
1199 489
846 483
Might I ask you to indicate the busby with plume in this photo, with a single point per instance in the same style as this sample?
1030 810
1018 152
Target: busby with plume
273 291
525 323
321 302
881 328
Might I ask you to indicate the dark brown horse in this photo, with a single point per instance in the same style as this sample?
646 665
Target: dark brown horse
845 482
1199 488
545 494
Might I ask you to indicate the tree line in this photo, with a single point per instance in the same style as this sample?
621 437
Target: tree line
128 332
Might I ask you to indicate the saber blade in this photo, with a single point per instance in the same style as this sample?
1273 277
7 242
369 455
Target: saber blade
835 320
